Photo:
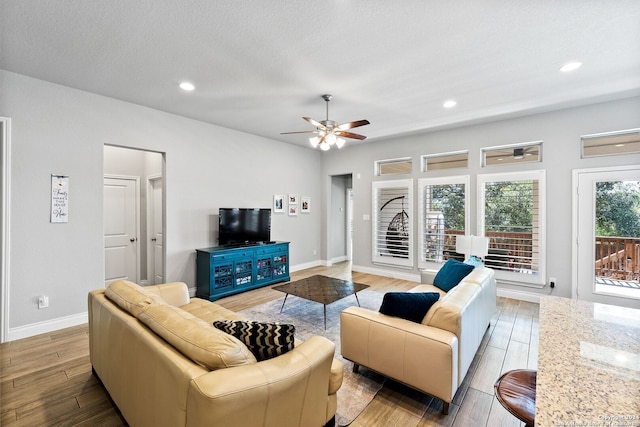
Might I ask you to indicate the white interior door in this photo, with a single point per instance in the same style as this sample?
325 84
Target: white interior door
607 263
120 229
155 245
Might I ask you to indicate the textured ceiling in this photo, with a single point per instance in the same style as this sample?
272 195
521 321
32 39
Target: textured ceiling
259 66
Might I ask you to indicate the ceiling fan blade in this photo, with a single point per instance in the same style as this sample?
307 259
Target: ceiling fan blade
315 123
352 125
300 131
351 135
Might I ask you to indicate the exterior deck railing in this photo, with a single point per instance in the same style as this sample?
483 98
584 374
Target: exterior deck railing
618 258
507 251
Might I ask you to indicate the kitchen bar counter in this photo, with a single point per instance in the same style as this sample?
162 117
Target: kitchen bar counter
588 364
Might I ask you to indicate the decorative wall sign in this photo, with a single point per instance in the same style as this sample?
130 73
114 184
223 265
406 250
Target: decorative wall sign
305 207
59 198
278 203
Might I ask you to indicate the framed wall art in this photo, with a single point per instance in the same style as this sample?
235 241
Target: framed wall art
278 203
293 204
305 204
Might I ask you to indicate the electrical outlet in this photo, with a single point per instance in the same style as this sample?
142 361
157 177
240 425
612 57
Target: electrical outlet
552 282
43 301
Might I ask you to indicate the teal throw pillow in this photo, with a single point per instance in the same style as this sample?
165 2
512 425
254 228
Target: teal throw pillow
264 340
451 273
408 305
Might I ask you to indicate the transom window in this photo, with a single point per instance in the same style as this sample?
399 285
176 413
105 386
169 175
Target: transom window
611 143
455 160
394 166
516 153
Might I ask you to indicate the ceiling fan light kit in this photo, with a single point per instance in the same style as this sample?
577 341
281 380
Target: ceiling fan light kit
330 133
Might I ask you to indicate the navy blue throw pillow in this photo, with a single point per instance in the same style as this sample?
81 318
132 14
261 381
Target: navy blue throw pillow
451 273
408 305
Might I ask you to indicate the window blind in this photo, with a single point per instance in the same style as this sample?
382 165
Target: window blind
392 234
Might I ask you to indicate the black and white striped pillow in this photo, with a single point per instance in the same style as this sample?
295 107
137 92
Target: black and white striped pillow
264 340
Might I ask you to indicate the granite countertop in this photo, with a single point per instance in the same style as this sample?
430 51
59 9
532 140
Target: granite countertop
588 364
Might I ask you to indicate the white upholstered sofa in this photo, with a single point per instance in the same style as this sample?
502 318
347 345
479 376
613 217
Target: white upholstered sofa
432 356
169 380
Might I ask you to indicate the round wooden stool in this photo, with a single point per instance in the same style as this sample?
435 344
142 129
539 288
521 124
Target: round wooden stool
516 391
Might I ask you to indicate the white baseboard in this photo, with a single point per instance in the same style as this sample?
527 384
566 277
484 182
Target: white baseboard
46 326
298 267
413 277
519 295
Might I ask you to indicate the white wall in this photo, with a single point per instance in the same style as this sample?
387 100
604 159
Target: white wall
560 132
60 130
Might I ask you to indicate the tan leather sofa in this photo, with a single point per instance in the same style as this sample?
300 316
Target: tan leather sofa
433 356
155 384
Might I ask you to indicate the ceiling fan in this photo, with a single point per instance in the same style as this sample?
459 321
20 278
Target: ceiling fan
329 132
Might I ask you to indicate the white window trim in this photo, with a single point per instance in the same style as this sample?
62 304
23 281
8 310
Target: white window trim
376 259
509 277
423 182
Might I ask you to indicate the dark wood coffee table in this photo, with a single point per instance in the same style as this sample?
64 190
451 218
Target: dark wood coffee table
322 289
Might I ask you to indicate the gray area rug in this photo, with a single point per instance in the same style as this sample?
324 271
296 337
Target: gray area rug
357 389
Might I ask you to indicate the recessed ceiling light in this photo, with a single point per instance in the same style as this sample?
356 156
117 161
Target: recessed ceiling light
570 66
187 86
449 104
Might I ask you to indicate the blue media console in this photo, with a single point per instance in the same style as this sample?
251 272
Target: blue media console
228 270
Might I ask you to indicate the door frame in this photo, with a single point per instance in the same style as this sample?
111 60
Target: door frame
5 194
150 261
575 219
136 179
349 227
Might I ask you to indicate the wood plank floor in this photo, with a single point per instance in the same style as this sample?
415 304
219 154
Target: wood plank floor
46 380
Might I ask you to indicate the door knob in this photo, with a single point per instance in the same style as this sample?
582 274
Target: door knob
132 240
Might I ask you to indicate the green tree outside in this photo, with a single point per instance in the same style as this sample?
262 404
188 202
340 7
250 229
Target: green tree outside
618 208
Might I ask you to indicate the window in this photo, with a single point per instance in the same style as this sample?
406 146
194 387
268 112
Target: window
611 143
512 215
443 216
455 160
516 153
394 166
392 230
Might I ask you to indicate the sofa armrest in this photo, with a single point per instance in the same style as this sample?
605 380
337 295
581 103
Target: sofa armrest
427 276
421 356
288 390
175 293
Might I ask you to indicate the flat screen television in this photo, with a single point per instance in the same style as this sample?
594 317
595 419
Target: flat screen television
244 226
